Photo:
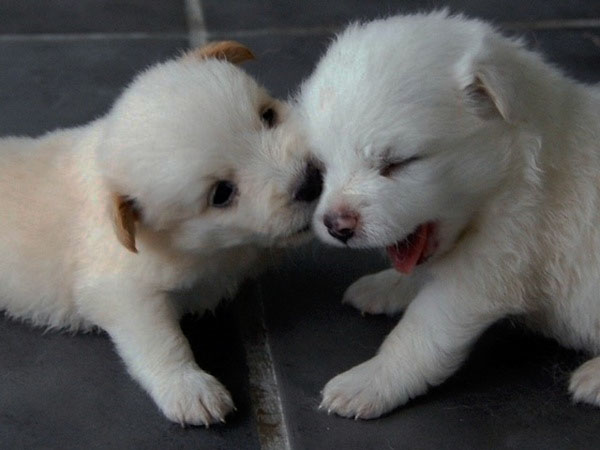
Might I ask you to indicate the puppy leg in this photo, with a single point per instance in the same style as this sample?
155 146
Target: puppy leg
426 347
385 292
585 382
146 332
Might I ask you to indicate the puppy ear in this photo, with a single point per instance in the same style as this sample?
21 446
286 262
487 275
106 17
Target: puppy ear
124 215
231 51
489 79
489 95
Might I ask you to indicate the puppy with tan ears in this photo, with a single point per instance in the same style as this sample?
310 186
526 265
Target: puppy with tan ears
186 181
477 165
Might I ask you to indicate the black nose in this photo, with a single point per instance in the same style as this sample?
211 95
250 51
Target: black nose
312 185
341 226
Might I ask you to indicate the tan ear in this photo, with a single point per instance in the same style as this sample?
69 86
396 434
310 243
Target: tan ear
124 217
231 51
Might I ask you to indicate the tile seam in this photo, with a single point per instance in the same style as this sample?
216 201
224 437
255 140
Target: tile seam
194 13
198 35
327 29
558 24
265 393
47 37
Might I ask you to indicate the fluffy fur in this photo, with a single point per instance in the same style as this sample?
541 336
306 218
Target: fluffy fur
99 223
439 119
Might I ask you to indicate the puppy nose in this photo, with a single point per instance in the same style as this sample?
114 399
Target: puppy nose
312 185
341 225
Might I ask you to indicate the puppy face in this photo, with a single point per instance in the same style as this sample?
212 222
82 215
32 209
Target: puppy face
412 126
196 150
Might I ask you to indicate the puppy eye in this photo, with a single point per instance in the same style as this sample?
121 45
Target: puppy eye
222 194
269 117
390 168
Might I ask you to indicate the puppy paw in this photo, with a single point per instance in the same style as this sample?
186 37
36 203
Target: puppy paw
379 293
585 383
195 398
364 392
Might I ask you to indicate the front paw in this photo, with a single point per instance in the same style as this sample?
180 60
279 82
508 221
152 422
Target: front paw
194 397
377 294
366 391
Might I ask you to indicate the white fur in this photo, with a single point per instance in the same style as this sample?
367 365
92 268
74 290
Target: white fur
509 169
175 131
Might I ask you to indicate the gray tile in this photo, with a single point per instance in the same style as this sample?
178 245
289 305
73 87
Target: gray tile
50 84
511 393
282 61
256 14
576 52
84 16
60 391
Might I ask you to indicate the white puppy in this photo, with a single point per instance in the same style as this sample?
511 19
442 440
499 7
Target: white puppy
454 146
190 176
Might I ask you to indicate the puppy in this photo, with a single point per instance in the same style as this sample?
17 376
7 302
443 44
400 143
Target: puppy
186 181
477 165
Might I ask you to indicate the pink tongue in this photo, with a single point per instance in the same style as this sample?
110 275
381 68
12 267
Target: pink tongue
407 254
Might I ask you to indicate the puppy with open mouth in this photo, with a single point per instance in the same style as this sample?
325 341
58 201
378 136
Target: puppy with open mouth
476 165
193 173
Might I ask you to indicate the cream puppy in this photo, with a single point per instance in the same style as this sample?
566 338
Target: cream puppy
456 148
186 181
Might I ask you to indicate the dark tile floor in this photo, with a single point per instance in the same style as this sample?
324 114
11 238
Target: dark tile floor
63 62
89 16
252 15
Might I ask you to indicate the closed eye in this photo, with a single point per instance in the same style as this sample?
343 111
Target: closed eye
390 168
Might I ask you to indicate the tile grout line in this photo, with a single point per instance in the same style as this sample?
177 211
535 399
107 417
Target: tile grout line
262 379
568 24
194 14
87 36
290 31
573 24
198 35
